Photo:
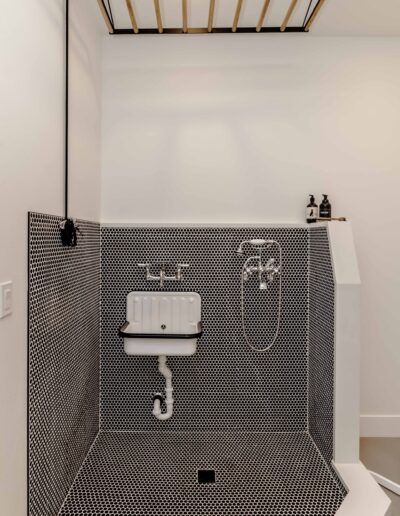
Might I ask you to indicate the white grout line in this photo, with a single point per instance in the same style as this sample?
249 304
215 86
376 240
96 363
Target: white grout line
327 465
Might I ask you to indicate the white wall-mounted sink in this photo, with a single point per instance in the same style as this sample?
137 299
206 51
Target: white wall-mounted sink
162 323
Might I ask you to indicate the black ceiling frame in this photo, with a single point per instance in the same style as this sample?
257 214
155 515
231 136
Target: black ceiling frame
215 30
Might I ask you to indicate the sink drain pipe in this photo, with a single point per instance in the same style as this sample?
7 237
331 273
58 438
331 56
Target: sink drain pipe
158 398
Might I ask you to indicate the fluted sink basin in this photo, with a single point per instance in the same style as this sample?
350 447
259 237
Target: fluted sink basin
162 323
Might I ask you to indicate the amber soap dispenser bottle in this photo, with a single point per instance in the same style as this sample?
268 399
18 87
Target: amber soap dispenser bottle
325 209
311 210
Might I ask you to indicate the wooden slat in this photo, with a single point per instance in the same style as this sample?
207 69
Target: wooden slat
132 16
184 16
158 15
237 15
211 15
313 15
262 15
288 15
105 16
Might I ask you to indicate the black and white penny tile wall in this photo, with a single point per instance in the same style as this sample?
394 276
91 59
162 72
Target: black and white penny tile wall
321 342
225 385
64 346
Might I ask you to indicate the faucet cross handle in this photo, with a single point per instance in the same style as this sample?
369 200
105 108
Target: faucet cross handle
179 274
147 267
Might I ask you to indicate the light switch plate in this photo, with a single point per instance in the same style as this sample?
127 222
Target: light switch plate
6 298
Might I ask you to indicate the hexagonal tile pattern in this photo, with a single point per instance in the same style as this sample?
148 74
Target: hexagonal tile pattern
64 341
321 342
240 413
155 473
225 385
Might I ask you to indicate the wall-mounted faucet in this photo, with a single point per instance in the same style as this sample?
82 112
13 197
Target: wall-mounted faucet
162 277
270 269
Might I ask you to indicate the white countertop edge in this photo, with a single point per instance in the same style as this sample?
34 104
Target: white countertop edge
249 224
365 497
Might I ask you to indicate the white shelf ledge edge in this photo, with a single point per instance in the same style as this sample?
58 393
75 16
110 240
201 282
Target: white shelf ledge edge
204 224
364 497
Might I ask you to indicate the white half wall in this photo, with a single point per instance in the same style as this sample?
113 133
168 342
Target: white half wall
346 446
32 179
242 129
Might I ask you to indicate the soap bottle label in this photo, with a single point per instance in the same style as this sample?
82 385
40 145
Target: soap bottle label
311 212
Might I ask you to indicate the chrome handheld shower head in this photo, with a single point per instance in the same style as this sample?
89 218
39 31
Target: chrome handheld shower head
255 242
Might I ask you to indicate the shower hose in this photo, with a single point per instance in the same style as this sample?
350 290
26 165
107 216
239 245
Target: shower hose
278 322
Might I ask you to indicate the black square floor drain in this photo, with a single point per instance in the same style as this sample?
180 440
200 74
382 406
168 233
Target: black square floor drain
206 476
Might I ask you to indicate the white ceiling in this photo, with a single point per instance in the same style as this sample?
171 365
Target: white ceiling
337 17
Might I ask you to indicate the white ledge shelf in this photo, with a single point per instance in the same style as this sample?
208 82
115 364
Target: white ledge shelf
364 497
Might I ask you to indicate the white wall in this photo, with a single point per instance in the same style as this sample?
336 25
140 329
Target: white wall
86 34
241 129
32 178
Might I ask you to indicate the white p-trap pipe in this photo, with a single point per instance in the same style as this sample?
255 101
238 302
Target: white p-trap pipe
169 401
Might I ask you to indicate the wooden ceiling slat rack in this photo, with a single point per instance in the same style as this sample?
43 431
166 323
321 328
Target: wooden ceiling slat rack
262 15
132 16
184 16
311 14
158 16
237 15
211 15
289 13
106 16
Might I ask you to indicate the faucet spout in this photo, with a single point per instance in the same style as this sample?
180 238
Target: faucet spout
162 276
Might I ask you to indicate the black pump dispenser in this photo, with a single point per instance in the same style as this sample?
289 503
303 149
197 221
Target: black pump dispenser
325 209
311 210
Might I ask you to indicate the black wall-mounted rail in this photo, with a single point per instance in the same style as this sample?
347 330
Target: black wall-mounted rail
123 333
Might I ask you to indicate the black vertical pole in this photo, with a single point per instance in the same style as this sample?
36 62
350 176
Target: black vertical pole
67 226
66 103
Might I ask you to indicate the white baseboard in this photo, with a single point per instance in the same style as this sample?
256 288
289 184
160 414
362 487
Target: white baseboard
386 482
380 426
